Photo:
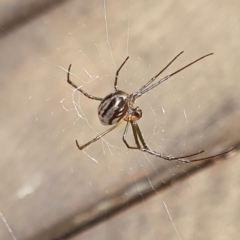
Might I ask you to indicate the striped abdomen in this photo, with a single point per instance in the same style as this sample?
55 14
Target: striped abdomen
113 108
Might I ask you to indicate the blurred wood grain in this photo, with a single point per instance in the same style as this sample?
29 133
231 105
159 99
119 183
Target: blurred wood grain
49 189
15 13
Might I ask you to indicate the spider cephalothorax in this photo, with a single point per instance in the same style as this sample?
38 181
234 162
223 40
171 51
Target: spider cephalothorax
118 106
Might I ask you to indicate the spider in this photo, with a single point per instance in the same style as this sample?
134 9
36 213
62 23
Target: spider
119 106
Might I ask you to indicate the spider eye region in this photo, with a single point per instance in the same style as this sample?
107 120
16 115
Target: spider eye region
113 107
133 114
137 114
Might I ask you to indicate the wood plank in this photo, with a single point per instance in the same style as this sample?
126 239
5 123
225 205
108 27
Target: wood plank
15 13
206 205
45 181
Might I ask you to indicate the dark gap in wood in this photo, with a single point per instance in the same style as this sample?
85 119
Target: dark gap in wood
57 232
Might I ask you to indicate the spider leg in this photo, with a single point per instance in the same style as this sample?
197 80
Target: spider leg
79 88
138 136
154 78
170 158
98 136
137 132
135 137
145 90
116 77
213 156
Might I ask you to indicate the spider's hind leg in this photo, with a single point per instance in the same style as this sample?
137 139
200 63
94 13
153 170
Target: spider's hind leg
135 137
138 136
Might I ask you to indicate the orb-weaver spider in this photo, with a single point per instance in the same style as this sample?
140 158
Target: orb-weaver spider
118 106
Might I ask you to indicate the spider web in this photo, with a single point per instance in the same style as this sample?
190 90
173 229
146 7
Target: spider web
157 130
178 118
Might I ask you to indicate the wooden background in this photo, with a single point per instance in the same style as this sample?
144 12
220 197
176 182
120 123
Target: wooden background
49 189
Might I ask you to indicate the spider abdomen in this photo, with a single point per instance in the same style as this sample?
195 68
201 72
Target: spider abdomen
113 107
